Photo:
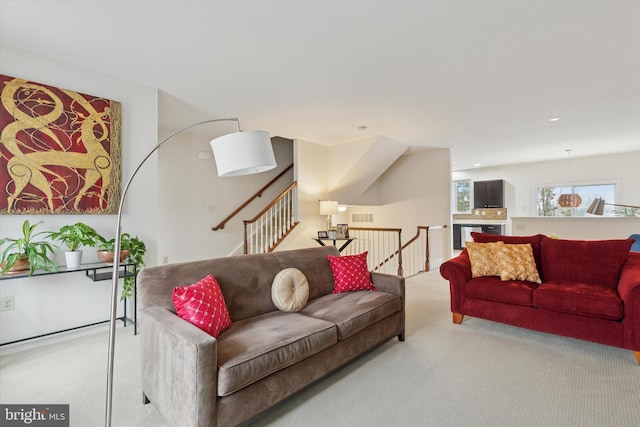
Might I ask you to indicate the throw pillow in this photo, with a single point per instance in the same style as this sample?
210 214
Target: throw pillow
350 273
516 262
202 304
534 240
290 290
483 258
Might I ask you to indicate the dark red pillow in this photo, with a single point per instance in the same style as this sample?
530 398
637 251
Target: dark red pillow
517 240
593 262
202 305
350 273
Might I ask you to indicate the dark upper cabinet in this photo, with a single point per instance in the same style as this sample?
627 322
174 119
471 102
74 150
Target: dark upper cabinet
488 194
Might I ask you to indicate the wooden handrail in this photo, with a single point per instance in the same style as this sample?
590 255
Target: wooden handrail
251 199
270 205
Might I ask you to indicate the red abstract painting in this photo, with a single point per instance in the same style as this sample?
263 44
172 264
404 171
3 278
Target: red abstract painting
59 150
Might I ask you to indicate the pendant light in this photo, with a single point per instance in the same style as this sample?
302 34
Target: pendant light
569 200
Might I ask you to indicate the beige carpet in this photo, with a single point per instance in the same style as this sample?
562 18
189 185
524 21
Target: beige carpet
475 374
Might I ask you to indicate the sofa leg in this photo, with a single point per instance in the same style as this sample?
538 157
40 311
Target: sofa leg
457 318
145 399
401 336
637 353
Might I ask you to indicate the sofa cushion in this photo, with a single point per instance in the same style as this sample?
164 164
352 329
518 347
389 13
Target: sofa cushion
494 289
516 262
579 298
593 262
290 290
483 258
203 305
259 346
352 312
350 273
517 240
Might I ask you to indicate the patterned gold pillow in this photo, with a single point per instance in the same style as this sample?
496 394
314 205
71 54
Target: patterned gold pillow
515 262
483 258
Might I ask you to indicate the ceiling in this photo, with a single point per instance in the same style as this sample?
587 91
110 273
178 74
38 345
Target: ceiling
480 77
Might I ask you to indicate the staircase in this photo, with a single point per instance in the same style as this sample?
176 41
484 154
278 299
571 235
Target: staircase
264 232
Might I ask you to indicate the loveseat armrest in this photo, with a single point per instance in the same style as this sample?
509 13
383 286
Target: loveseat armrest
179 368
629 291
458 272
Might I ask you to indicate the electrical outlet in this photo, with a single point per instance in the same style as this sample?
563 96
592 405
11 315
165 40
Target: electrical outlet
7 303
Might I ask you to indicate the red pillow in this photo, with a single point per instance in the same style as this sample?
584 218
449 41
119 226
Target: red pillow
202 304
350 273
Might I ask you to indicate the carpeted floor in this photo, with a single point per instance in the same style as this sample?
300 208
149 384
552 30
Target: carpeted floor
478 373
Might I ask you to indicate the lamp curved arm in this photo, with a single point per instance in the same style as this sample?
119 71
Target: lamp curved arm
116 263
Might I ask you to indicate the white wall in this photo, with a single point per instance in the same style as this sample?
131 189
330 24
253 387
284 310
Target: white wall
51 303
522 179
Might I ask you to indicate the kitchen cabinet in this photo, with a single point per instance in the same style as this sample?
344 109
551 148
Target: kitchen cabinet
488 194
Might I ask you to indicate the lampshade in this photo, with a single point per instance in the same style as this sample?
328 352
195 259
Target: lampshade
243 153
597 207
569 200
328 207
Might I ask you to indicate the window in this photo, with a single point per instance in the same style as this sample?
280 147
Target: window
547 199
462 196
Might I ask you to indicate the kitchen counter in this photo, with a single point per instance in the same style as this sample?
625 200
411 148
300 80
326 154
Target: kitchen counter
480 221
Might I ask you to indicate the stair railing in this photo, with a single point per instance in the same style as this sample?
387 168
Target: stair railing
426 250
384 247
264 232
251 199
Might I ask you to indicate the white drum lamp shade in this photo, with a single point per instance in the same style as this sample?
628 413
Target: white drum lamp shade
255 146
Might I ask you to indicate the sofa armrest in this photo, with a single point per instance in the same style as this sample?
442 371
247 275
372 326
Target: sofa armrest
179 368
394 285
629 291
458 272
388 283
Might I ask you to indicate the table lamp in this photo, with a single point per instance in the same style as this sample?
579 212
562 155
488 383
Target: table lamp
328 208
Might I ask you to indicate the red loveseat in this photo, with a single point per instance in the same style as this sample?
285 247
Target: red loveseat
590 290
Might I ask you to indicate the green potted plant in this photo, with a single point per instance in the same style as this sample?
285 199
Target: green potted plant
74 236
131 247
27 253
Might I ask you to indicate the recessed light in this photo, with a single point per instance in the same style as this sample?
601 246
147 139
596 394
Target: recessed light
555 119
476 164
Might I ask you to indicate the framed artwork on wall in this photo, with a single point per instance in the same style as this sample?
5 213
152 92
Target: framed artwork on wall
59 150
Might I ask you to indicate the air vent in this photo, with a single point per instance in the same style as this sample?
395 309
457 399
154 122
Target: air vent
362 217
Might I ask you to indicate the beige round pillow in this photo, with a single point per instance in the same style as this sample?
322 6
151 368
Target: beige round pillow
290 290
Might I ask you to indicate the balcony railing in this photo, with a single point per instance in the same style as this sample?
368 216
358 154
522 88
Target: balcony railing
387 254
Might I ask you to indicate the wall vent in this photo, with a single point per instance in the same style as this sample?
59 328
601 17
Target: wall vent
362 217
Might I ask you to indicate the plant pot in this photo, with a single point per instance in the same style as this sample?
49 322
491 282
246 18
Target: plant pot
21 265
73 258
107 257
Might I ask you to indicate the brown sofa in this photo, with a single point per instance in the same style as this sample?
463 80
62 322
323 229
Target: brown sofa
267 354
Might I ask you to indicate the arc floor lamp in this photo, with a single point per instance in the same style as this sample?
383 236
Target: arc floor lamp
239 153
